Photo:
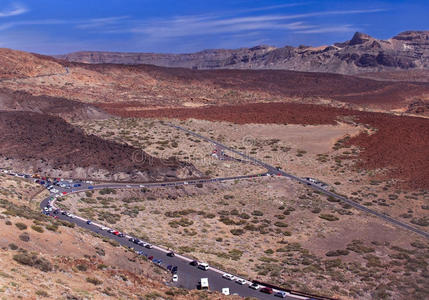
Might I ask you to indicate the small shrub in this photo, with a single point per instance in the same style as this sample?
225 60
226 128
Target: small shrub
24 237
280 224
237 231
51 227
337 253
37 228
328 217
21 226
421 221
8 222
257 213
82 268
12 246
42 293
269 251
94 280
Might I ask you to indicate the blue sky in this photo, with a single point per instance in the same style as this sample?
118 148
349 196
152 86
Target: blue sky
179 26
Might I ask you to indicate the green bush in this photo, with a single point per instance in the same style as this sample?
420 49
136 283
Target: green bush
337 253
42 293
24 237
329 217
257 213
21 226
33 261
82 268
237 231
94 280
12 246
37 228
280 224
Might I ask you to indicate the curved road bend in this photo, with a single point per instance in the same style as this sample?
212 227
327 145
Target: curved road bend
189 276
273 170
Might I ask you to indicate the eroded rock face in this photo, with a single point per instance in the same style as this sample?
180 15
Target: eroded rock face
363 53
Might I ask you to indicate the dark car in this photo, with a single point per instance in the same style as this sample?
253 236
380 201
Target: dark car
88 222
169 267
132 240
267 290
150 257
194 263
121 235
171 254
174 270
63 213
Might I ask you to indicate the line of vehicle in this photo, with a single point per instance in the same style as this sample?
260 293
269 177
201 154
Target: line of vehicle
161 184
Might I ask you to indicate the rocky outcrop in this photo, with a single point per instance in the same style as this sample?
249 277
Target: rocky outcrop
363 53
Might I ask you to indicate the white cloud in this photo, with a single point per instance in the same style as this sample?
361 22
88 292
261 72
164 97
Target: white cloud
195 25
329 29
101 22
15 10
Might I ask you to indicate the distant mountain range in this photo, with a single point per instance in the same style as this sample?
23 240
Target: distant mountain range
363 53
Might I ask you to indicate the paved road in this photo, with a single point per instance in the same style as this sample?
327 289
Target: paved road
189 276
274 170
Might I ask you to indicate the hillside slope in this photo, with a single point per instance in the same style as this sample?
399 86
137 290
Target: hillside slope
38 143
174 87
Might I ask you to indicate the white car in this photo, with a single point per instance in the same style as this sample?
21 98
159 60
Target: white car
228 276
255 286
280 294
175 277
203 266
240 281
225 291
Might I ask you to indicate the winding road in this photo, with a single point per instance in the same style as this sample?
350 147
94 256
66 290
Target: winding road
189 276
274 170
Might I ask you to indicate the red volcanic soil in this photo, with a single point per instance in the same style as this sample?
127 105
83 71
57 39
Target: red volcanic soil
279 113
400 144
284 83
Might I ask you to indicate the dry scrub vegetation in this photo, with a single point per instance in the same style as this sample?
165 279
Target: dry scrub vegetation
161 141
271 229
45 258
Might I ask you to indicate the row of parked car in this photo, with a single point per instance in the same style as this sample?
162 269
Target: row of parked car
254 286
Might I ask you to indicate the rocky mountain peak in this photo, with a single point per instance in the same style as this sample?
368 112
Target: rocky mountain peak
360 38
415 36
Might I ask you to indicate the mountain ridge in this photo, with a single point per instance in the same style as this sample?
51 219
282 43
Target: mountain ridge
362 53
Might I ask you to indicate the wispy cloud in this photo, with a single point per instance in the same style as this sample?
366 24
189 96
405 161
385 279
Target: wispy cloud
272 7
101 22
10 25
15 10
195 25
329 29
